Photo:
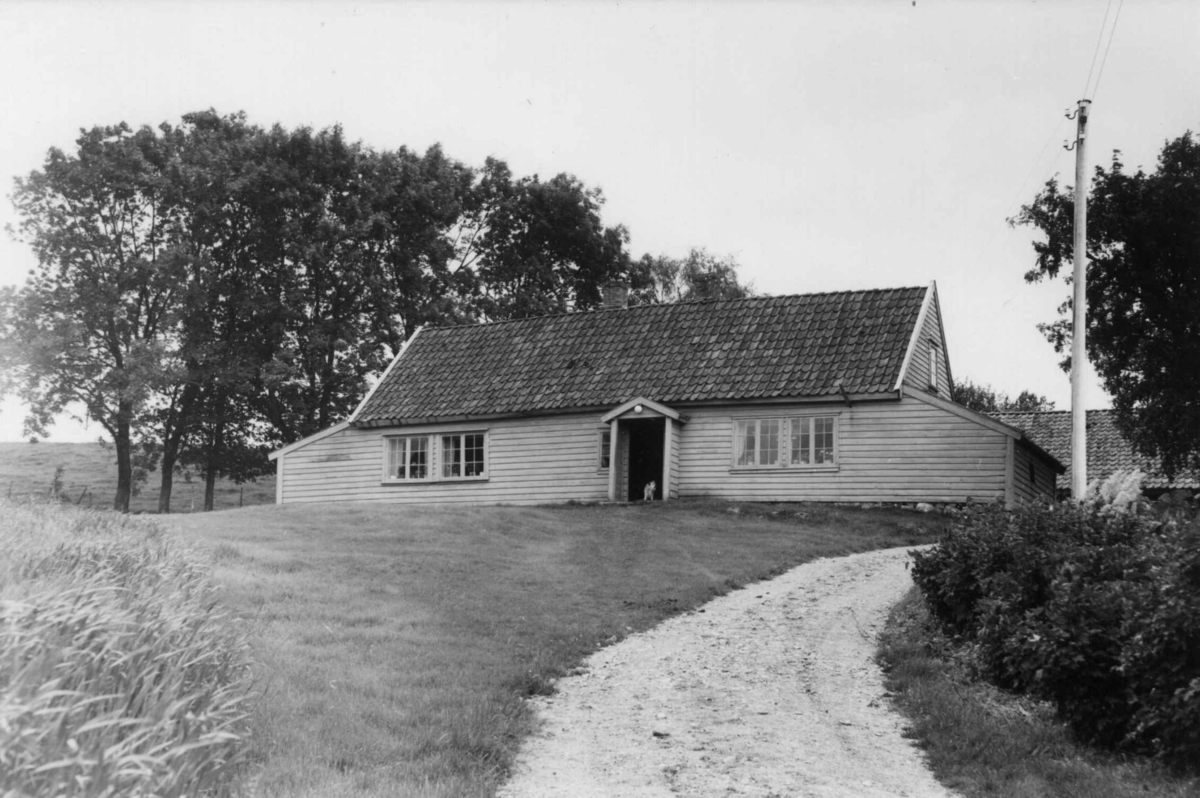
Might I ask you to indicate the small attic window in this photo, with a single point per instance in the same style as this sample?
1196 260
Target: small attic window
933 367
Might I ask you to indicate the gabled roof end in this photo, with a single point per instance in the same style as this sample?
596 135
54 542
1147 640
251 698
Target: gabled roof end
930 293
383 377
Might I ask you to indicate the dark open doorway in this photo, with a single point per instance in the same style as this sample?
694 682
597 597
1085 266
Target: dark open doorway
645 456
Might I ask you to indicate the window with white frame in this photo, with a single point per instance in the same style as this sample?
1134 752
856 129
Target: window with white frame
813 440
605 449
934 360
435 457
796 442
407 458
756 442
463 456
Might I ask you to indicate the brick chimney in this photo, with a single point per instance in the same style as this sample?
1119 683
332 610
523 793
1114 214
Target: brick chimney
615 295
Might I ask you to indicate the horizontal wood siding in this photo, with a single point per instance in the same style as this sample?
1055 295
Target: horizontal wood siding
1023 487
1041 490
902 451
918 368
530 461
1047 479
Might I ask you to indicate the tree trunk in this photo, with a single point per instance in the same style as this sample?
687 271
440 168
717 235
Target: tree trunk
210 486
172 442
168 482
124 457
213 465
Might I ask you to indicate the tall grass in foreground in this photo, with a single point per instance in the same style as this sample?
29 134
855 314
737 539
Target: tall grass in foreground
988 743
116 675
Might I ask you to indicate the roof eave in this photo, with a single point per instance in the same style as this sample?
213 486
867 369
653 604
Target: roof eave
300 444
983 420
375 423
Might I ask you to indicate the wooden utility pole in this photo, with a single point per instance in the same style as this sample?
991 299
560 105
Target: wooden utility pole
1079 326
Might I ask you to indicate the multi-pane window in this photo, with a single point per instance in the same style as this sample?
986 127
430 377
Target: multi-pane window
462 455
758 442
408 458
812 440
800 441
605 448
746 442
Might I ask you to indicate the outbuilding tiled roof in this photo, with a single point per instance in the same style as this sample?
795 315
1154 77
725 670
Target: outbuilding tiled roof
1107 448
789 346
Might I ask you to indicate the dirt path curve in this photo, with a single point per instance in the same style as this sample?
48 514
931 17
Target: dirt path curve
768 691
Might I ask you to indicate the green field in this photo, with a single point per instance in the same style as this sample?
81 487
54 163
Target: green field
394 645
27 469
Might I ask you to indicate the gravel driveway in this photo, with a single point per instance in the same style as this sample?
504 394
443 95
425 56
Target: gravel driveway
768 691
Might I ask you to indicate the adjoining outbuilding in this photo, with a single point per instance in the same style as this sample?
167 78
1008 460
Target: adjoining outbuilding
1108 451
818 397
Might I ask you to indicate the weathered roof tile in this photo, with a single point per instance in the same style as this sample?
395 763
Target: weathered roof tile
1107 448
761 347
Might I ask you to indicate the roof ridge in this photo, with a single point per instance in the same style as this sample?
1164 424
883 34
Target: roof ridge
761 297
1047 412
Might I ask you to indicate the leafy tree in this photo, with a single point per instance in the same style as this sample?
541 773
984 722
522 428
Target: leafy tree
313 259
698 276
215 166
985 399
1028 401
367 262
227 440
1143 290
212 290
528 247
95 323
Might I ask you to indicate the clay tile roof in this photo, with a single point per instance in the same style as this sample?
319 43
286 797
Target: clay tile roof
761 347
1107 448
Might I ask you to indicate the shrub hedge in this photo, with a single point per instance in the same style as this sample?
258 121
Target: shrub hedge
1096 611
117 674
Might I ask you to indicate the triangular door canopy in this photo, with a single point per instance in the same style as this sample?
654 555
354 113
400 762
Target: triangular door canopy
644 408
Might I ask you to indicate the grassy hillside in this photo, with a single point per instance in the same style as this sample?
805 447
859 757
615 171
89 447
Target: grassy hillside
28 469
395 645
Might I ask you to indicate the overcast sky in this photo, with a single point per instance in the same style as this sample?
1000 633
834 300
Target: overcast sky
826 146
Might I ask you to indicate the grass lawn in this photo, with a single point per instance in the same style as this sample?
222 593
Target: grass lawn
984 742
395 644
27 469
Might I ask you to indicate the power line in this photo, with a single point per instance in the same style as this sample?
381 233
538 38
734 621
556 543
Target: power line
1033 169
1096 52
1037 162
1104 60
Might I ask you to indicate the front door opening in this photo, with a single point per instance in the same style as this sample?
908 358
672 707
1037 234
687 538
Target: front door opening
645 456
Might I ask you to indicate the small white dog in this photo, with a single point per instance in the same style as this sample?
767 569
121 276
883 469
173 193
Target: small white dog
648 491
